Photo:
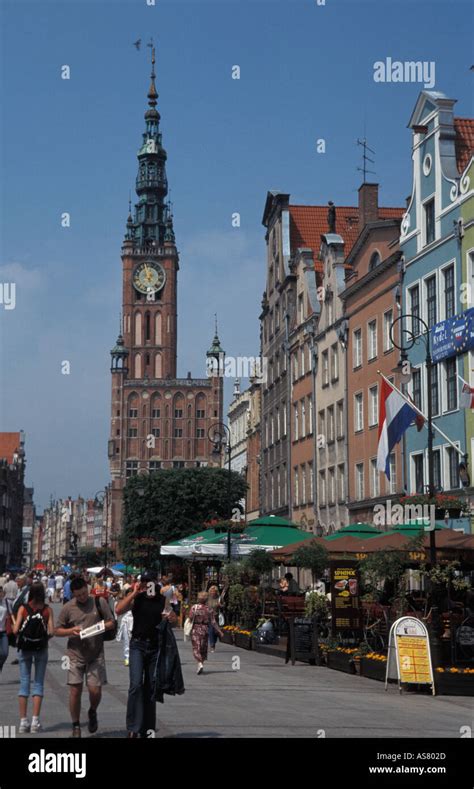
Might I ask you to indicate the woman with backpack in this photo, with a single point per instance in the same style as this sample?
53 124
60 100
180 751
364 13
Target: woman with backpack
33 625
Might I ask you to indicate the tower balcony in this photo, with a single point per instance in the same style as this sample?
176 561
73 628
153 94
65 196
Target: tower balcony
145 184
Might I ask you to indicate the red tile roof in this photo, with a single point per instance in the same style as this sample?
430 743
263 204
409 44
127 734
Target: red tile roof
9 443
309 222
464 141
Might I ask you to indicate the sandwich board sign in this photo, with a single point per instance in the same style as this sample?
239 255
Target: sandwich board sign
409 655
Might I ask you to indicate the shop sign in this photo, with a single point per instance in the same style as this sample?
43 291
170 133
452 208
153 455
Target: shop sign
345 596
409 654
453 336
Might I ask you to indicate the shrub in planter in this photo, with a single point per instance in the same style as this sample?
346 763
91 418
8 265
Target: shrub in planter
373 666
341 660
243 640
454 682
228 636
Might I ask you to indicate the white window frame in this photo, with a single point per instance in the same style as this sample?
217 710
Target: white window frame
374 478
372 340
387 343
359 489
442 305
357 350
358 412
373 415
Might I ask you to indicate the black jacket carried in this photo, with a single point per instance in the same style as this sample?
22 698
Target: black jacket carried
168 675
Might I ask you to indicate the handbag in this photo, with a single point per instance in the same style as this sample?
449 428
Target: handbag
188 626
9 631
221 619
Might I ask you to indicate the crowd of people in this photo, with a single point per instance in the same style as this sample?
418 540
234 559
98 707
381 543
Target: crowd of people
138 611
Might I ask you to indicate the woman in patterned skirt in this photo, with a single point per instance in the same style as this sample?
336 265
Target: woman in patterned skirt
202 617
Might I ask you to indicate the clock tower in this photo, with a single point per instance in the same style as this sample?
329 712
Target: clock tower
158 421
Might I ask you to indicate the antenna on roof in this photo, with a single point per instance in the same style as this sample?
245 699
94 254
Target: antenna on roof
365 158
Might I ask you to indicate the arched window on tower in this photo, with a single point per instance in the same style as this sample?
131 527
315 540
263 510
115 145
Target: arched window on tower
158 366
147 327
138 366
158 328
138 328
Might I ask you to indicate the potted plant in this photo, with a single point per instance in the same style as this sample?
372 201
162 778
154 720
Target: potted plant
243 639
341 659
373 666
228 635
443 502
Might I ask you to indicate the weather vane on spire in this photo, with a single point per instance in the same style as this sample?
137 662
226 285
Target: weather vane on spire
152 93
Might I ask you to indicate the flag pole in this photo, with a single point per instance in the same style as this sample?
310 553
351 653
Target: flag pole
415 408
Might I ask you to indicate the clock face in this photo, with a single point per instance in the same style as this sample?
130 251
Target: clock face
149 277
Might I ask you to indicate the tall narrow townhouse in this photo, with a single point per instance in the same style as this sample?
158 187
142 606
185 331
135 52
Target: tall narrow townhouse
433 273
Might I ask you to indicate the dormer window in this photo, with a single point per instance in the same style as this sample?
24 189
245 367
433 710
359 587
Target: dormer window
429 221
375 261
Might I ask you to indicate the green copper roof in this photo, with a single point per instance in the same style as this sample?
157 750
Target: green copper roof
216 347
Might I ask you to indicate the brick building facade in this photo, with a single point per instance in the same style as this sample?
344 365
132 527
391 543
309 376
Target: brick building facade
158 421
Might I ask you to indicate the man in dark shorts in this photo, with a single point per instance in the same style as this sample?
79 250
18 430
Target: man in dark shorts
147 605
86 656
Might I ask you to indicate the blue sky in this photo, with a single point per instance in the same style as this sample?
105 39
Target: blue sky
306 73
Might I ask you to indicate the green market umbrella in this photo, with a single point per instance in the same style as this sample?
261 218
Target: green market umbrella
412 528
362 530
272 520
255 536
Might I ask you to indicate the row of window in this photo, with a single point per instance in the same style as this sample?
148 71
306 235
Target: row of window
302 418
156 413
374 480
275 426
330 365
131 466
301 361
432 299
303 484
332 485
156 432
445 470
444 386
331 422
372 340
276 488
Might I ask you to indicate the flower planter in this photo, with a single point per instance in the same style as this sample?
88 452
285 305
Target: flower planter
453 513
373 669
341 662
448 684
228 637
243 641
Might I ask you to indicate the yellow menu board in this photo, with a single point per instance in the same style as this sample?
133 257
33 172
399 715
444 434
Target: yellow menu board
414 659
409 657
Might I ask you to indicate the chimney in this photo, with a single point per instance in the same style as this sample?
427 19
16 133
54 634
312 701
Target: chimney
368 204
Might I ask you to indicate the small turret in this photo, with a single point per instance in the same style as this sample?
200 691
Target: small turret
119 356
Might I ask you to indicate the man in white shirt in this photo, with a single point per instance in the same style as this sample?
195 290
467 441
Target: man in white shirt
59 584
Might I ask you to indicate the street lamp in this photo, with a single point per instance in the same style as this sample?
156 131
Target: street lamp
219 435
414 339
99 499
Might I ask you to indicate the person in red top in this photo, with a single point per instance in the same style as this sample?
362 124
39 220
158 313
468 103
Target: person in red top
100 589
34 634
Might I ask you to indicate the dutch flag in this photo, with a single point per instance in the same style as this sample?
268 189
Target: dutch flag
395 415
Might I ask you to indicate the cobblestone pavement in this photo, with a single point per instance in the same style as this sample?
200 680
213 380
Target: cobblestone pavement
246 694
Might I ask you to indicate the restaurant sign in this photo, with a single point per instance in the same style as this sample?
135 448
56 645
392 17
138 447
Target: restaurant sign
453 336
409 655
345 596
